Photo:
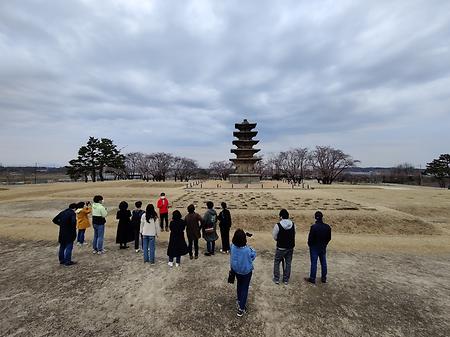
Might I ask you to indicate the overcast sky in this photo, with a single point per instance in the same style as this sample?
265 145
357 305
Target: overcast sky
369 77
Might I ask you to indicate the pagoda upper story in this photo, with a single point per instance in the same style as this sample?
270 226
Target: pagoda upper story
245 152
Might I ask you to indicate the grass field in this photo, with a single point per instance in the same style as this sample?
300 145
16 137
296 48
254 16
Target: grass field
389 265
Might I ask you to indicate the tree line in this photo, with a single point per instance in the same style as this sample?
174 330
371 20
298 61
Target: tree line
100 157
157 166
323 163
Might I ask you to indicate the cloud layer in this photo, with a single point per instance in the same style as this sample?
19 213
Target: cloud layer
370 78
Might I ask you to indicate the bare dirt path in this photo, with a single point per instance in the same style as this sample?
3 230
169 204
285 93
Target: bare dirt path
369 294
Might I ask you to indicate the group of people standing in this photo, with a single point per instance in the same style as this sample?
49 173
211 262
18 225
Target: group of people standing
144 226
141 226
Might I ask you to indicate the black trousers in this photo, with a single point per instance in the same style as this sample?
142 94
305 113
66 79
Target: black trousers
164 218
195 243
137 235
225 237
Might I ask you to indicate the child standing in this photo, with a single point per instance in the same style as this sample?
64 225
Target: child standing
124 229
136 223
149 231
177 243
83 210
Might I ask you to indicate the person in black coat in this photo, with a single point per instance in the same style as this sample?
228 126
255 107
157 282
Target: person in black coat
177 243
125 232
225 225
318 239
67 222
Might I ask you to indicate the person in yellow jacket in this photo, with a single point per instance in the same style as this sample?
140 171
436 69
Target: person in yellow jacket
83 211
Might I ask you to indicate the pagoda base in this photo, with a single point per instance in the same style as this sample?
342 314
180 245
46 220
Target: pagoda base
245 178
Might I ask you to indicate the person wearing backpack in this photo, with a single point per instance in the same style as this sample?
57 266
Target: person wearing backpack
209 228
284 234
67 222
136 217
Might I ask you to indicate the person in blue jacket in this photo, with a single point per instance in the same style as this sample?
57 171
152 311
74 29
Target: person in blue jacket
241 263
67 222
318 239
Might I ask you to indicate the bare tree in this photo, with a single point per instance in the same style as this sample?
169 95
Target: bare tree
184 168
261 167
144 166
132 163
221 169
293 164
328 163
160 165
273 167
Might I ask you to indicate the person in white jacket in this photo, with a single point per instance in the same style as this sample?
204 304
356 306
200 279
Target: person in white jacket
149 231
284 234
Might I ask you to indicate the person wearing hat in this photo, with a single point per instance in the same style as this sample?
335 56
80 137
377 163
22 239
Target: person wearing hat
318 239
163 206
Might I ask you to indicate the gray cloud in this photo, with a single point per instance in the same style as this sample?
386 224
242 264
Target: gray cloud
164 76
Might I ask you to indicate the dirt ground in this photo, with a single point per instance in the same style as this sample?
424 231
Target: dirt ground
389 266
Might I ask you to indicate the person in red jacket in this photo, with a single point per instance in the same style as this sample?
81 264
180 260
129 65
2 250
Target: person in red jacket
163 206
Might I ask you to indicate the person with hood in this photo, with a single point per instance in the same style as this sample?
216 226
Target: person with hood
163 206
193 224
284 234
149 231
318 239
67 222
124 228
177 244
241 265
209 228
225 225
83 210
136 217
99 214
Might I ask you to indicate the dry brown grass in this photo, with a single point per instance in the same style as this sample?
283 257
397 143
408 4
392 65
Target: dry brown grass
26 211
388 266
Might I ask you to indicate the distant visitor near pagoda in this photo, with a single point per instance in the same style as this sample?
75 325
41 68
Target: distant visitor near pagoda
245 161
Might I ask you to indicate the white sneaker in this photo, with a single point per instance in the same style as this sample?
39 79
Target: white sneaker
101 252
94 252
138 250
177 264
79 244
170 264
